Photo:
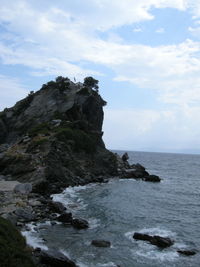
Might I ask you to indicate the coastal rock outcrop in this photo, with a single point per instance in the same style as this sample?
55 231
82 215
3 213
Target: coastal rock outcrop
53 138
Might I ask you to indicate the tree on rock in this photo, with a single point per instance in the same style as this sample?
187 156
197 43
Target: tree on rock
91 83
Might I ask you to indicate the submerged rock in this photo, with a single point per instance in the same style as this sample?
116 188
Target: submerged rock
80 224
161 242
101 243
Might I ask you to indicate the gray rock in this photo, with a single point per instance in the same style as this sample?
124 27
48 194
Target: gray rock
25 214
23 188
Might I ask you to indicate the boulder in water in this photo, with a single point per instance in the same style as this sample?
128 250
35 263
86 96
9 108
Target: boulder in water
101 243
159 241
80 224
187 252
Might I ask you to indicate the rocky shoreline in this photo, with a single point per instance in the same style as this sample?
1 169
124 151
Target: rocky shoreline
22 206
49 141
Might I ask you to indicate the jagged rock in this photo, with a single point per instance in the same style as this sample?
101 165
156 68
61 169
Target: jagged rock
57 207
101 243
161 242
65 218
187 252
152 178
125 156
80 224
55 259
136 173
23 188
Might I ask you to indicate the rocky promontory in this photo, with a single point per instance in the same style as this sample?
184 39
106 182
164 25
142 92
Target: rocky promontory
53 138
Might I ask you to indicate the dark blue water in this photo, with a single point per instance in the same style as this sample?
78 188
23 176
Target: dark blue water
118 209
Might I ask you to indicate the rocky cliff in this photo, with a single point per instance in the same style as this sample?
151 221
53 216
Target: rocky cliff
53 138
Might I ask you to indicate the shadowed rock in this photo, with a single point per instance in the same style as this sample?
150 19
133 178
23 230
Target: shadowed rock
57 207
187 252
65 218
161 242
55 258
80 224
152 178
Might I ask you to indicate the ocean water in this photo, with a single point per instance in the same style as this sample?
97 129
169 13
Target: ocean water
119 208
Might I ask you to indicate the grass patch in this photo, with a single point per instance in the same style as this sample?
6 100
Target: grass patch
42 128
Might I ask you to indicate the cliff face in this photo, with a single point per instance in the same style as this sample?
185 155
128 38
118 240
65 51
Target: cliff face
53 138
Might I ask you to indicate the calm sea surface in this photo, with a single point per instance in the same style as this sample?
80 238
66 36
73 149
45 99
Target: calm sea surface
121 207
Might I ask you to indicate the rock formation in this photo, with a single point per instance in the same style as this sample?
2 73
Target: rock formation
53 138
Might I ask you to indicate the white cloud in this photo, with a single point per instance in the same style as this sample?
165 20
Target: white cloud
137 29
169 130
54 41
160 30
11 90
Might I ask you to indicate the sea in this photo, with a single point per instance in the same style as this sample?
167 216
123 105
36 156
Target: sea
121 207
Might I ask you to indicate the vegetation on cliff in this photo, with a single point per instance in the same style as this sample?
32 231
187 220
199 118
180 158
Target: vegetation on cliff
13 252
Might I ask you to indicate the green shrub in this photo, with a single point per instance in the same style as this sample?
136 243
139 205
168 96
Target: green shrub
82 141
12 247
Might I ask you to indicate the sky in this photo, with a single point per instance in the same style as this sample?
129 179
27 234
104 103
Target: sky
145 54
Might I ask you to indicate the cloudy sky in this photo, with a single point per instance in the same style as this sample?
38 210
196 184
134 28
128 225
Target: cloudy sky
145 54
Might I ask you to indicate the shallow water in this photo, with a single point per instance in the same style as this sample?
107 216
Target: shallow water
121 207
